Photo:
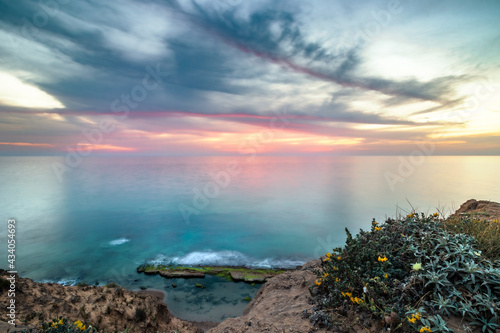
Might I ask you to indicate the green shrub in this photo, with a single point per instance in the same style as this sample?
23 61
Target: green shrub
414 271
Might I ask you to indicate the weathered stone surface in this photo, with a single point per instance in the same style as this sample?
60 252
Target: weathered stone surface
108 308
278 306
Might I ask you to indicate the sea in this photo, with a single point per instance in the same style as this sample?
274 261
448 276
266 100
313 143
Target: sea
96 219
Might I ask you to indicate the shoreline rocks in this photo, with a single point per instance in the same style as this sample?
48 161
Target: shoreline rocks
108 308
236 273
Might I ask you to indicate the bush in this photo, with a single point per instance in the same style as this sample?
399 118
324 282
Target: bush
486 232
410 274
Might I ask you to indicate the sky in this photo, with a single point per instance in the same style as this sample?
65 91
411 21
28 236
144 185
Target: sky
232 77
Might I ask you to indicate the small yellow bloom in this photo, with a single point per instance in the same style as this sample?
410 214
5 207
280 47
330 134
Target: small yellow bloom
54 324
335 268
83 328
61 322
414 318
410 215
374 222
79 324
417 266
338 258
386 275
337 280
425 329
403 235
325 275
382 259
318 283
326 259
435 214
378 228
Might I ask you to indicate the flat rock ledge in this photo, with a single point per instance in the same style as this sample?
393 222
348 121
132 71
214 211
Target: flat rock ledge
237 274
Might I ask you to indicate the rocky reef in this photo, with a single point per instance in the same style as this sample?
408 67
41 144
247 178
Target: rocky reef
230 273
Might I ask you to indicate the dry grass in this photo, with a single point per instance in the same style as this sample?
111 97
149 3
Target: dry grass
485 231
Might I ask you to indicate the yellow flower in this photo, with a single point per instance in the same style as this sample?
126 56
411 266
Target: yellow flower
378 228
337 280
328 255
410 215
79 325
425 329
386 275
338 258
82 328
335 268
325 275
374 222
318 283
382 259
417 266
54 324
414 318
435 214
61 322
326 259
403 235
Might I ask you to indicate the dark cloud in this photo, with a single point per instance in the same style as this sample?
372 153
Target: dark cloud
219 61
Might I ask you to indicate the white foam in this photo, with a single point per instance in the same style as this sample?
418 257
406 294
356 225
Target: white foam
119 241
64 282
225 258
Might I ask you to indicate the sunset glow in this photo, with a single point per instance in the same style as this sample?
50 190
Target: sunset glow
291 79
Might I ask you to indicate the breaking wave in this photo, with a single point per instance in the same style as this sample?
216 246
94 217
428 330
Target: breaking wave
225 258
119 241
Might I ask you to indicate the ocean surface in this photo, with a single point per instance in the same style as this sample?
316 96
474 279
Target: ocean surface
95 222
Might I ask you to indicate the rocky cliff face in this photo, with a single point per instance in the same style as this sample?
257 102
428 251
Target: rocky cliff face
109 308
278 306
482 209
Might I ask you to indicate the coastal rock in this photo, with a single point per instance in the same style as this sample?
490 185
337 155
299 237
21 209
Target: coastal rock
237 273
181 274
250 277
278 306
109 309
482 209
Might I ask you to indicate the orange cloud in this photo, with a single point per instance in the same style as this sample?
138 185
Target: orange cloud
106 147
27 144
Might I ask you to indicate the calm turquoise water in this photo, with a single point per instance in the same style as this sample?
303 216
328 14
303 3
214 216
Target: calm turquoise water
110 214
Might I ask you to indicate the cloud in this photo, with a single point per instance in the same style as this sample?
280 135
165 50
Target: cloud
16 93
288 48
231 64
